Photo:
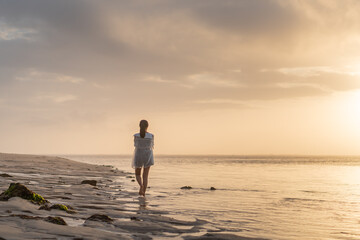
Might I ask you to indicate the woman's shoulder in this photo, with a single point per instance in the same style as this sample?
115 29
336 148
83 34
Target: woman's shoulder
147 135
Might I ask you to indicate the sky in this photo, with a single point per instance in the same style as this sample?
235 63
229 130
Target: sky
211 77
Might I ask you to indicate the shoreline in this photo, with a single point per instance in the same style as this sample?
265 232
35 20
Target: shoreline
59 180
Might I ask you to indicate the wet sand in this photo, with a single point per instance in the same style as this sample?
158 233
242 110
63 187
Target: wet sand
59 181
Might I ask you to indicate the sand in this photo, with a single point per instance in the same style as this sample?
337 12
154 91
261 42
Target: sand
59 181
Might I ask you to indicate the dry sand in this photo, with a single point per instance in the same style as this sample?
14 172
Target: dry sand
59 181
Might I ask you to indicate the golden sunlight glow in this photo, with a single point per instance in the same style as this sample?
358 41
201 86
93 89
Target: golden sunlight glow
349 116
354 69
354 106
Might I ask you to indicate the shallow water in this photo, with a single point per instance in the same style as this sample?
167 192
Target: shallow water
275 197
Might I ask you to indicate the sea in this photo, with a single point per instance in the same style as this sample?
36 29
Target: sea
271 197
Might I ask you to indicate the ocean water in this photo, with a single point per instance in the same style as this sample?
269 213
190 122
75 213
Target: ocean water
274 197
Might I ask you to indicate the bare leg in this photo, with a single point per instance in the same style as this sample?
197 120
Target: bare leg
145 179
139 180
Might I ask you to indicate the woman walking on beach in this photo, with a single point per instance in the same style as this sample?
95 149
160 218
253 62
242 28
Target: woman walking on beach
143 155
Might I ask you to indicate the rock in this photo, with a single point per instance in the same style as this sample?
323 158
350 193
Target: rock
25 217
19 190
212 188
186 187
45 207
109 166
65 198
100 218
133 180
130 177
91 182
56 220
62 207
134 219
5 175
27 211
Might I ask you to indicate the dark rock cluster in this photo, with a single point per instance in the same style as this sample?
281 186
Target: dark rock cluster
91 182
100 218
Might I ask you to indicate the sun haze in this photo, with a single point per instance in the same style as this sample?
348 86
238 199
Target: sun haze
211 77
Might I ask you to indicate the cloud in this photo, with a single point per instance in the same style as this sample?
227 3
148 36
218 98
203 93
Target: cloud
179 50
32 75
287 85
56 98
99 86
246 16
225 104
8 33
306 72
213 79
325 78
157 79
199 79
220 101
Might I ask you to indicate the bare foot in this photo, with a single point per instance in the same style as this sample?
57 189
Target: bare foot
141 190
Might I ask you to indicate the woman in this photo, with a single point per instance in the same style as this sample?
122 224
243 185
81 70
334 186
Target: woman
143 155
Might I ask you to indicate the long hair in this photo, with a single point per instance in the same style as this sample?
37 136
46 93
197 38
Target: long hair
143 126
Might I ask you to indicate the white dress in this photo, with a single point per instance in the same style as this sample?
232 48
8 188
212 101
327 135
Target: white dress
143 152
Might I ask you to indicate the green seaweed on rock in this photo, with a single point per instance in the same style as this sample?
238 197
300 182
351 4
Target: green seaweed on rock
38 198
10 189
19 190
60 207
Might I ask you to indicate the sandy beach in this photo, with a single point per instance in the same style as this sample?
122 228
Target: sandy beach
94 212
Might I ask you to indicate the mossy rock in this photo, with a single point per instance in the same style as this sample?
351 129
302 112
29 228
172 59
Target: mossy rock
61 207
100 218
19 190
56 220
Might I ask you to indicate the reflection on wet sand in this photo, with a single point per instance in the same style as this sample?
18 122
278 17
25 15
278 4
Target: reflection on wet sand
143 203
